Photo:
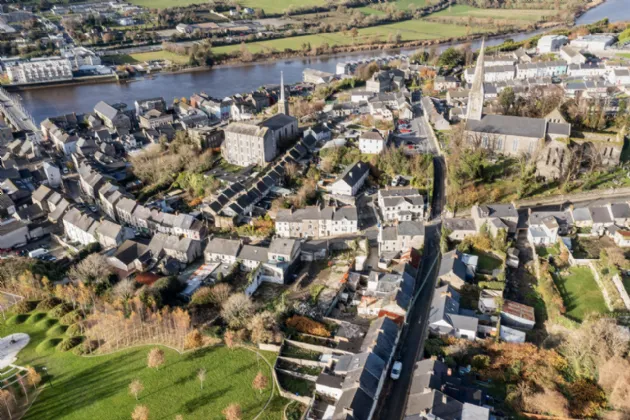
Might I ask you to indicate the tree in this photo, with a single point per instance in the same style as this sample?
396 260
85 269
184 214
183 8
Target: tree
232 412
260 382
507 99
33 377
237 310
220 293
7 400
135 388
451 57
92 269
231 339
246 55
194 340
263 327
155 358
201 375
140 412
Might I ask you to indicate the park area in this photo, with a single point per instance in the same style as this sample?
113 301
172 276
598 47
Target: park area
97 387
580 293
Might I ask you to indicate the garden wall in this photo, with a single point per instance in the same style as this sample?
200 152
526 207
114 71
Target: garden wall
623 293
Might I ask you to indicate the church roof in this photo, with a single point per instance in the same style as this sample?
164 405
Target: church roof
509 125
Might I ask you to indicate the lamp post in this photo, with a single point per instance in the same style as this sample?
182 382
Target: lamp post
45 369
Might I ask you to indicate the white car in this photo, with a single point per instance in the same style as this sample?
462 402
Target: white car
396 369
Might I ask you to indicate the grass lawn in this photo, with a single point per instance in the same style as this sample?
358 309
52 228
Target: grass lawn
487 262
410 30
580 293
366 10
503 14
590 248
545 251
97 387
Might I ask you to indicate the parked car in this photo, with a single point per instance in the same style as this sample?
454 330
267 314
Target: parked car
396 369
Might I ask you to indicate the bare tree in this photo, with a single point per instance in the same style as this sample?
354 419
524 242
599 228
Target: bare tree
33 377
237 310
233 412
136 388
230 339
140 412
220 293
155 358
201 375
93 269
125 289
194 340
260 382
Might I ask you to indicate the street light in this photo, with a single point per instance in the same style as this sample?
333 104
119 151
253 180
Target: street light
45 369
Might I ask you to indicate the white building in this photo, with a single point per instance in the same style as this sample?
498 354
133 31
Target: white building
572 56
81 57
53 174
40 71
401 204
247 144
12 232
372 142
80 228
314 222
598 42
551 43
351 180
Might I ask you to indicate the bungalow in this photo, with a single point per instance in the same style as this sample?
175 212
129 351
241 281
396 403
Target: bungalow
582 217
601 218
351 180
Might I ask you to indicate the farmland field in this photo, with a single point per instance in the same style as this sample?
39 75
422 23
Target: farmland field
410 30
280 6
462 12
148 56
96 387
163 4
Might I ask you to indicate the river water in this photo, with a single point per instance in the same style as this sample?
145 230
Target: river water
226 81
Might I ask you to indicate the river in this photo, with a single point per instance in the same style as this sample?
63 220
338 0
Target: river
226 81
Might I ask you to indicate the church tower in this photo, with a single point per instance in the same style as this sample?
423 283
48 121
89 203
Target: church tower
283 105
476 95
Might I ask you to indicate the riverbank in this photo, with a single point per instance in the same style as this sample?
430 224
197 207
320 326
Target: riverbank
89 80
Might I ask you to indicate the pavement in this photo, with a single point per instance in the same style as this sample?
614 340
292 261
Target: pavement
10 346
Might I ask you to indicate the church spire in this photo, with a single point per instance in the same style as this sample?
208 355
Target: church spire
283 105
477 92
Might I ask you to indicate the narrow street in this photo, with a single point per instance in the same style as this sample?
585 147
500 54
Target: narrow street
411 346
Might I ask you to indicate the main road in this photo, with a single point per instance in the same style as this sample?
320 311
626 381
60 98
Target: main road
392 405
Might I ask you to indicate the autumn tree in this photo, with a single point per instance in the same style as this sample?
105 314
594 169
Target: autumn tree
201 375
233 412
7 400
140 412
220 293
155 358
260 382
194 340
237 310
231 339
136 388
33 377
263 327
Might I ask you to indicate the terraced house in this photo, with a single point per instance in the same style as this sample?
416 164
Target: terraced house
401 204
315 222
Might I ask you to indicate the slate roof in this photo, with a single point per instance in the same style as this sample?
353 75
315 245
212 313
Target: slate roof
451 262
106 110
317 213
129 251
381 338
278 121
509 125
460 224
353 173
600 215
620 210
253 253
282 246
109 229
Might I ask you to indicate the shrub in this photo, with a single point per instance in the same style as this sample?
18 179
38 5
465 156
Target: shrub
17 319
74 330
71 317
308 326
60 310
69 343
47 345
492 285
85 347
48 303
56 330
36 317
46 323
167 287
24 306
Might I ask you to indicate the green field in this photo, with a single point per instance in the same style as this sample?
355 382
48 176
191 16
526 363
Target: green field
280 6
163 4
462 11
407 4
366 10
97 387
410 30
148 56
580 293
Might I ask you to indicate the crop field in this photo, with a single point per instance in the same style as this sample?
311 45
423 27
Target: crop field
163 4
410 30
280 6
462 12
147 56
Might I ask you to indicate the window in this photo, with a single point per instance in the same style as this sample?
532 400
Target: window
500 144
484 141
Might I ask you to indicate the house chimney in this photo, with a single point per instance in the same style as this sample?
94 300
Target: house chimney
449 372
444 398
